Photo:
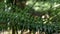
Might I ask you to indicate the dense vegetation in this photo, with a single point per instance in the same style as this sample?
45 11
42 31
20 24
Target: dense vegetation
43 15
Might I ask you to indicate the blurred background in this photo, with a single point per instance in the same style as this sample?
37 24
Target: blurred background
29 16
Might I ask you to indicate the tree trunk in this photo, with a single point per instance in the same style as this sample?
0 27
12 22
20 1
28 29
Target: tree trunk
13 30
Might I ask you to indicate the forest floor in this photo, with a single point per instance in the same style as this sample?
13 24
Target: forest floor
19 32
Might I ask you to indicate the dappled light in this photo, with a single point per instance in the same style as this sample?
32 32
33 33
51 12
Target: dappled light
29 16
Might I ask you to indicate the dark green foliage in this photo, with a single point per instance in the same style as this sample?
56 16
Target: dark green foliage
29 19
